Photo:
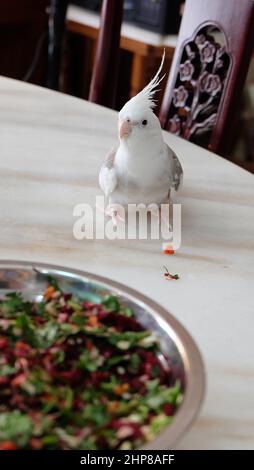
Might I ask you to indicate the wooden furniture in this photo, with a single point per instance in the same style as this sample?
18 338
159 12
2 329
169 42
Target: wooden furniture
145 46
105 71
52 164
57 15
209 69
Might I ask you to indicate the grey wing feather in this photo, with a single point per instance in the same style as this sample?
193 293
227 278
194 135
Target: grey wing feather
176 168
107 176
110 158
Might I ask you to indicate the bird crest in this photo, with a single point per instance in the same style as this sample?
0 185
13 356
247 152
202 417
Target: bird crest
145 98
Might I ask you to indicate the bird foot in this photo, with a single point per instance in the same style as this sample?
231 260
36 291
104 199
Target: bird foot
112 211
162 219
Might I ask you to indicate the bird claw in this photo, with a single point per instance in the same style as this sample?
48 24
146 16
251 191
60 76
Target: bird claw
113 212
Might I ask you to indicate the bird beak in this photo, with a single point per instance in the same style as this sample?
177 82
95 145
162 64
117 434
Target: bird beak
125 129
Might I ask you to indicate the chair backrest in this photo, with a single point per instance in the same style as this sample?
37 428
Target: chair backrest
105 71
208 72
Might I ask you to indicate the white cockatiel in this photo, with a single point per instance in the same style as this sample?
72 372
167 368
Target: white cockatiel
143 168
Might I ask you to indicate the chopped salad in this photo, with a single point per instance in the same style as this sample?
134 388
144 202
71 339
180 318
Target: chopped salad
79 375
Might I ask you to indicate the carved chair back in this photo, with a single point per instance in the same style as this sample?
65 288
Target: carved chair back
203 93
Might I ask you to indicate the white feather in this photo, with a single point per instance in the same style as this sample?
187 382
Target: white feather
147 94
144 100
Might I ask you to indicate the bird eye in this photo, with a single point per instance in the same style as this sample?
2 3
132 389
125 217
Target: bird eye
144 123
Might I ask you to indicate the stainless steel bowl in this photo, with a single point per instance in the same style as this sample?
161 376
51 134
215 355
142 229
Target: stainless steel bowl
175 341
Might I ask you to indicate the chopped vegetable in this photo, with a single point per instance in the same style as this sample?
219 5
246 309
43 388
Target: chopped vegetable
168 249
169 276
80 375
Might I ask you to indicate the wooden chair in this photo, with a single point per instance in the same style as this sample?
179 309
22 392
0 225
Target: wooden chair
214 49
105 72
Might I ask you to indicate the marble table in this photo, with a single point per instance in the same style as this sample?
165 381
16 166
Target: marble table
52 146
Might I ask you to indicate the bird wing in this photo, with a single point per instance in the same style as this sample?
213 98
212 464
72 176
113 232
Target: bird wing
108 176
176 169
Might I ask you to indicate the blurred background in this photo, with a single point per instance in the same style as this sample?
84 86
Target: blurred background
29 33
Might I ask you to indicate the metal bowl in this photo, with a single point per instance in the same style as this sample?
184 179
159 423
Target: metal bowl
175 341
